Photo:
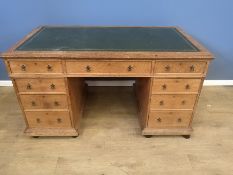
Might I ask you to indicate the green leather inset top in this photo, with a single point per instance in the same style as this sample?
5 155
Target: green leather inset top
107 39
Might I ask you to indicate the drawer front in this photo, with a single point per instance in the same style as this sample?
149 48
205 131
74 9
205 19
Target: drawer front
173 101
193 67
36 66
115 67
52 119
44 101
175 85
41 85
169 119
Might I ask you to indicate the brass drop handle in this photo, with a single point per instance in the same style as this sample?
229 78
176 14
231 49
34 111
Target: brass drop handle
23 67
161 103
130 68
88 68
179 120
29 86
56 103
187 86
164 87
33 103
59 120
167 68
159 120
38 120
52 86
49 67
192 68
183 102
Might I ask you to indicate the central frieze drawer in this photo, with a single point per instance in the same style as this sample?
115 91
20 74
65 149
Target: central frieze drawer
176 85
169 119
27 66
41 85
44 101
50 119
109 67
172 101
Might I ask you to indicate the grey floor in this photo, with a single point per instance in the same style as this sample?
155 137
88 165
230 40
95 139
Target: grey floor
111 144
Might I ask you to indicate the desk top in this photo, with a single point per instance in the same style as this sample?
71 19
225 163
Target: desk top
108 39
81 42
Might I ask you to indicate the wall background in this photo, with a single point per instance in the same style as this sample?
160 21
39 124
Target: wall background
208 21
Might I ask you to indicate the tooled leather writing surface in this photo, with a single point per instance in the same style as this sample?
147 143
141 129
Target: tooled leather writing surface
108 39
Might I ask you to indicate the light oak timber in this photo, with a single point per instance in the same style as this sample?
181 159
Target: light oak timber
77 94
142 88
35 66
176 85
42 93
172 101
45 110
181 75
109 67
113 75
44 101
99 55
48 119
60 75
41 85
178 67
169 119
37 75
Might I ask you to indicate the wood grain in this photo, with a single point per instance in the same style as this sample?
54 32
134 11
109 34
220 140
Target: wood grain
109 67
169 119
48 119
177 67
77 94
43 85
173 101
175 85
50 86
142 92
46 102
35 66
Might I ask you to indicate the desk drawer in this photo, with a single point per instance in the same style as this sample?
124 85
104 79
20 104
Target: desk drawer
169 119
44 101
191 67
109 67
28 66
175 85
41 85
172 101
52 119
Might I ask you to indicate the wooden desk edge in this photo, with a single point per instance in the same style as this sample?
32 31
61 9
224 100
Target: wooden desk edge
51 132
157 131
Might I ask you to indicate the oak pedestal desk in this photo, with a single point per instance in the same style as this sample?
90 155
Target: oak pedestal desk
49 66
